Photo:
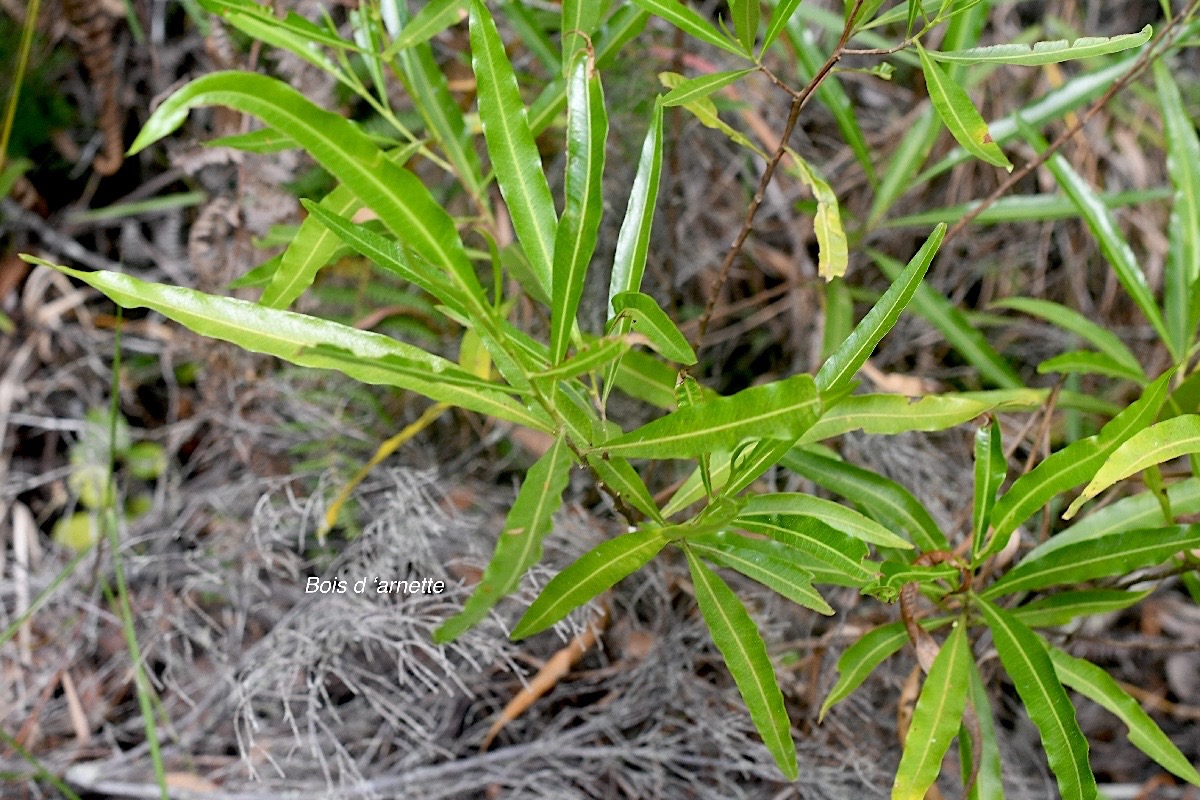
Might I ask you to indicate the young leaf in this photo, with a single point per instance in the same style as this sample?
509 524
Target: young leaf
965 337
835 515
788 580
955 108
1118 554
872 649
936 717
815 538
832 253
1098 686
1071 320
690 23
1038 53
1183 252
399 198
779 19
883 499
618 475
1175 437
688 393
594 571
990 470
1071 466
746 16
587 132
1103 225
700 87
839 369
1025 660
295 337
519 545
746 655
1062 608
1087 362
650 321
633 240
780 410
510 145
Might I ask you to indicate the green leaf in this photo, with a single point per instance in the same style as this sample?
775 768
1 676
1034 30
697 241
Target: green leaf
259 276
1117 554
587 133
883 499
988 784
1098 686
650 321
1159 443
1071 320
838 317
1071 466
633 240
591 357
700 87
779 410
1038 53
433 18
779 19
645 378
936 718
1025 660
835 515
515 157
1023 208
1103 225
519 545
594 571
1183 252
402 202
745 654
579 20
294 34
1061 609
263 140
815 538
1087 362
618 475
954 106
690 23
964 336
839 369
296 337
746 16
872 649
832 250
818 570
788 580
886 414
991 468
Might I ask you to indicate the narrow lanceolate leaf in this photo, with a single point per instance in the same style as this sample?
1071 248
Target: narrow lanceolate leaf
510 145
595 571
965 337
839 369
1098 686
1183 253
1087 362
990 470
1026 662
1038 53
1073 465
653 323
746 16
954 106
579 20
815 538
297 338
835 515
698 88
619 476
575 241
689 22
590 358
988 783
780 410
1175 437
1062 608
309 251
885 414
1071 320
788 580
432 19
633 240
746 655
779 20
878 497
862 657
519 545
936 718
832 249
402 202
1118 554
1103 225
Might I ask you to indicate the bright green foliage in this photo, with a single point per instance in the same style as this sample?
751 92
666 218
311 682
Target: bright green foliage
990 469
1038 53
955 108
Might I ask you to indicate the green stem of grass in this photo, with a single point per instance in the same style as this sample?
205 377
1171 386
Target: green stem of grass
10 112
